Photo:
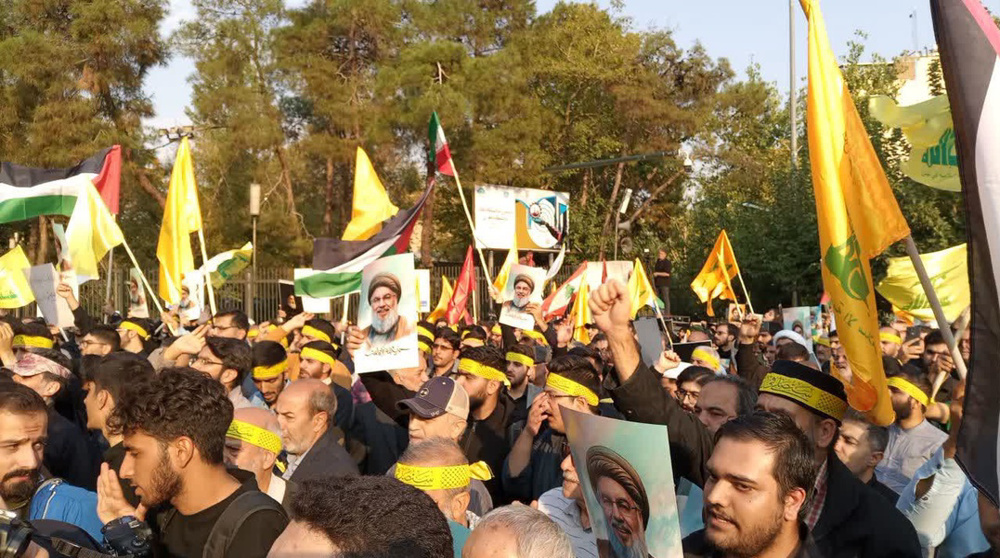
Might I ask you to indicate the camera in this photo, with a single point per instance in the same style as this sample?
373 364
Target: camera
126 537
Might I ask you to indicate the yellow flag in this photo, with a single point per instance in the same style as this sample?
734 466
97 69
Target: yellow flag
857 217
640 291
15 291
581 313
441 310
715 278
181 217
509 262
949 273
371 202
91 232
933 160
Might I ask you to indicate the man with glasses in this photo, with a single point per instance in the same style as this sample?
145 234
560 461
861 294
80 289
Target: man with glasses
444 352
233 324
100 340
228 360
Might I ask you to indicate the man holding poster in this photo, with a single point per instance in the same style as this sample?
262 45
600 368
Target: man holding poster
388 315
524 286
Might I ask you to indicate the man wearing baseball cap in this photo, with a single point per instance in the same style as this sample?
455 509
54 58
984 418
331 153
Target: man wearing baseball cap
440 409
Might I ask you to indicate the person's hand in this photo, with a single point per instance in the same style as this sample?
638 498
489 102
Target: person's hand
297 322
668 361
298 340
611 309
942 365
535 310
749 329
956 410
911 350
7 344
494 293
354 340
66 291
111 502
537 414
189 344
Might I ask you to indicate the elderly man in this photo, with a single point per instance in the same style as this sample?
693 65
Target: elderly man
387 325
517 532
253 443
623 500
566 506
524 285
305 410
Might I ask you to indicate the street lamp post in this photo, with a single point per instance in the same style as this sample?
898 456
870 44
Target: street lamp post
254 213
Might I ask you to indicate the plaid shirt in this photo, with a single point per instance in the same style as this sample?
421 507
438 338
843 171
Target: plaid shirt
818 498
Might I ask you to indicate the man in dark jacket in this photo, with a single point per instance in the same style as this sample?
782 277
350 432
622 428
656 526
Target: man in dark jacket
846 518
305 412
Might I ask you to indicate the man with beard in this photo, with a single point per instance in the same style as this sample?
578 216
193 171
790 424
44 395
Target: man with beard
313 445
623 499
760 475
480 372
270 362
100 340
175 430
233 324
912 439
387 325
524 285
890 341
846 517
724 340
533 466
253 443
133 334
520 372
566 506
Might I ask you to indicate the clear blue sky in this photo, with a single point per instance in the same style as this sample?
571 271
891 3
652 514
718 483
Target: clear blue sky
743 31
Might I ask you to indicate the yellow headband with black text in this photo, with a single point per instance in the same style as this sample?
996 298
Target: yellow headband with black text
269 372
908 388
442 478
254 435
570 387
483 371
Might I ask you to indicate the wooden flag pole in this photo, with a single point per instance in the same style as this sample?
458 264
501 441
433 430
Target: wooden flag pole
670 340
960 324
107 284
347 306
468 216
942 321
145 283
745 292
207 274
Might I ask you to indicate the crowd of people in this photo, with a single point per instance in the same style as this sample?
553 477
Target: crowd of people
230 439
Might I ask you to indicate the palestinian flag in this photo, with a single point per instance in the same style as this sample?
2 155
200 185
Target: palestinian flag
557 303
337 264
26 192
969 44
439 156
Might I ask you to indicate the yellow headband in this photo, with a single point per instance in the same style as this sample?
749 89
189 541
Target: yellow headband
442 478
254 435
520 359
134 327
703 354
496 330
268 372
423 346
315 333
316 354
890 337
536 335
33 341
421 330
908 388
825 341
483 371
254 332
564 384
804 393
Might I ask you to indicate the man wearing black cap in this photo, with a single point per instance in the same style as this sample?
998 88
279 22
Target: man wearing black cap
387 325
845 517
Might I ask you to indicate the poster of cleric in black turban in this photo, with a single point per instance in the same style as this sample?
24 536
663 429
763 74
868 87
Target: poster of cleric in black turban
388 315
524 286
628 485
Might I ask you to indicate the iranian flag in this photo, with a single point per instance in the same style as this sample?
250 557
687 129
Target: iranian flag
27 192
439 156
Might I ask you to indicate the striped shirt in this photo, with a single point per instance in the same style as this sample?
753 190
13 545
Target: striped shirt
566 513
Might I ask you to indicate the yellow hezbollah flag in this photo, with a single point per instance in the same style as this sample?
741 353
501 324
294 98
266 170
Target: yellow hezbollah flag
949 273
181 217
927 126
714 280
91 232
501 281
441 310
857 216
371 202
15 291
640 291
581 313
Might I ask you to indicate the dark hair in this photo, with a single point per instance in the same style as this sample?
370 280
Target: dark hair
878 436
450 336
323 347
34 329
577 369
115 372
107 334
268 353
794 456
522 349
698 374
18 399
473 332
598 337
324 326
792 351
237 319
891 366
746 397
934 338
235 354
490 356
373 517
179 402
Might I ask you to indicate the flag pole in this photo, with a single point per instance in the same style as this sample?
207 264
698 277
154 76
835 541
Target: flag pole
468 216
107 284
347 306
942 321
145 283
207 274
666 329
745 293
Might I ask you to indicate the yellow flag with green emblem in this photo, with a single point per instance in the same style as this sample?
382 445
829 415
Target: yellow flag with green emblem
715 278
948 270
15 291
640 291
857 217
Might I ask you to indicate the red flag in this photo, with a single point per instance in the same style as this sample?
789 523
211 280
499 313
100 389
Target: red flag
108 183
604 271
464 286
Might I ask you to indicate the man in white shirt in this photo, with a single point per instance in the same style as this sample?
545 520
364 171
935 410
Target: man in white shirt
566 507
912 439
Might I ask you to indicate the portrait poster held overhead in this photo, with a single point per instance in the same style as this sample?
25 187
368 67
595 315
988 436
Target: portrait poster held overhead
137 307
627 483
387 315
524 286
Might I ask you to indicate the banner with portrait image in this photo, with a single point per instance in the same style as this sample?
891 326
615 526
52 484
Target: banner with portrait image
137 307
387 315
524 286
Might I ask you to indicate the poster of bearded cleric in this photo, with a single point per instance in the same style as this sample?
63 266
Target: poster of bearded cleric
524 286
628 485
387 315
